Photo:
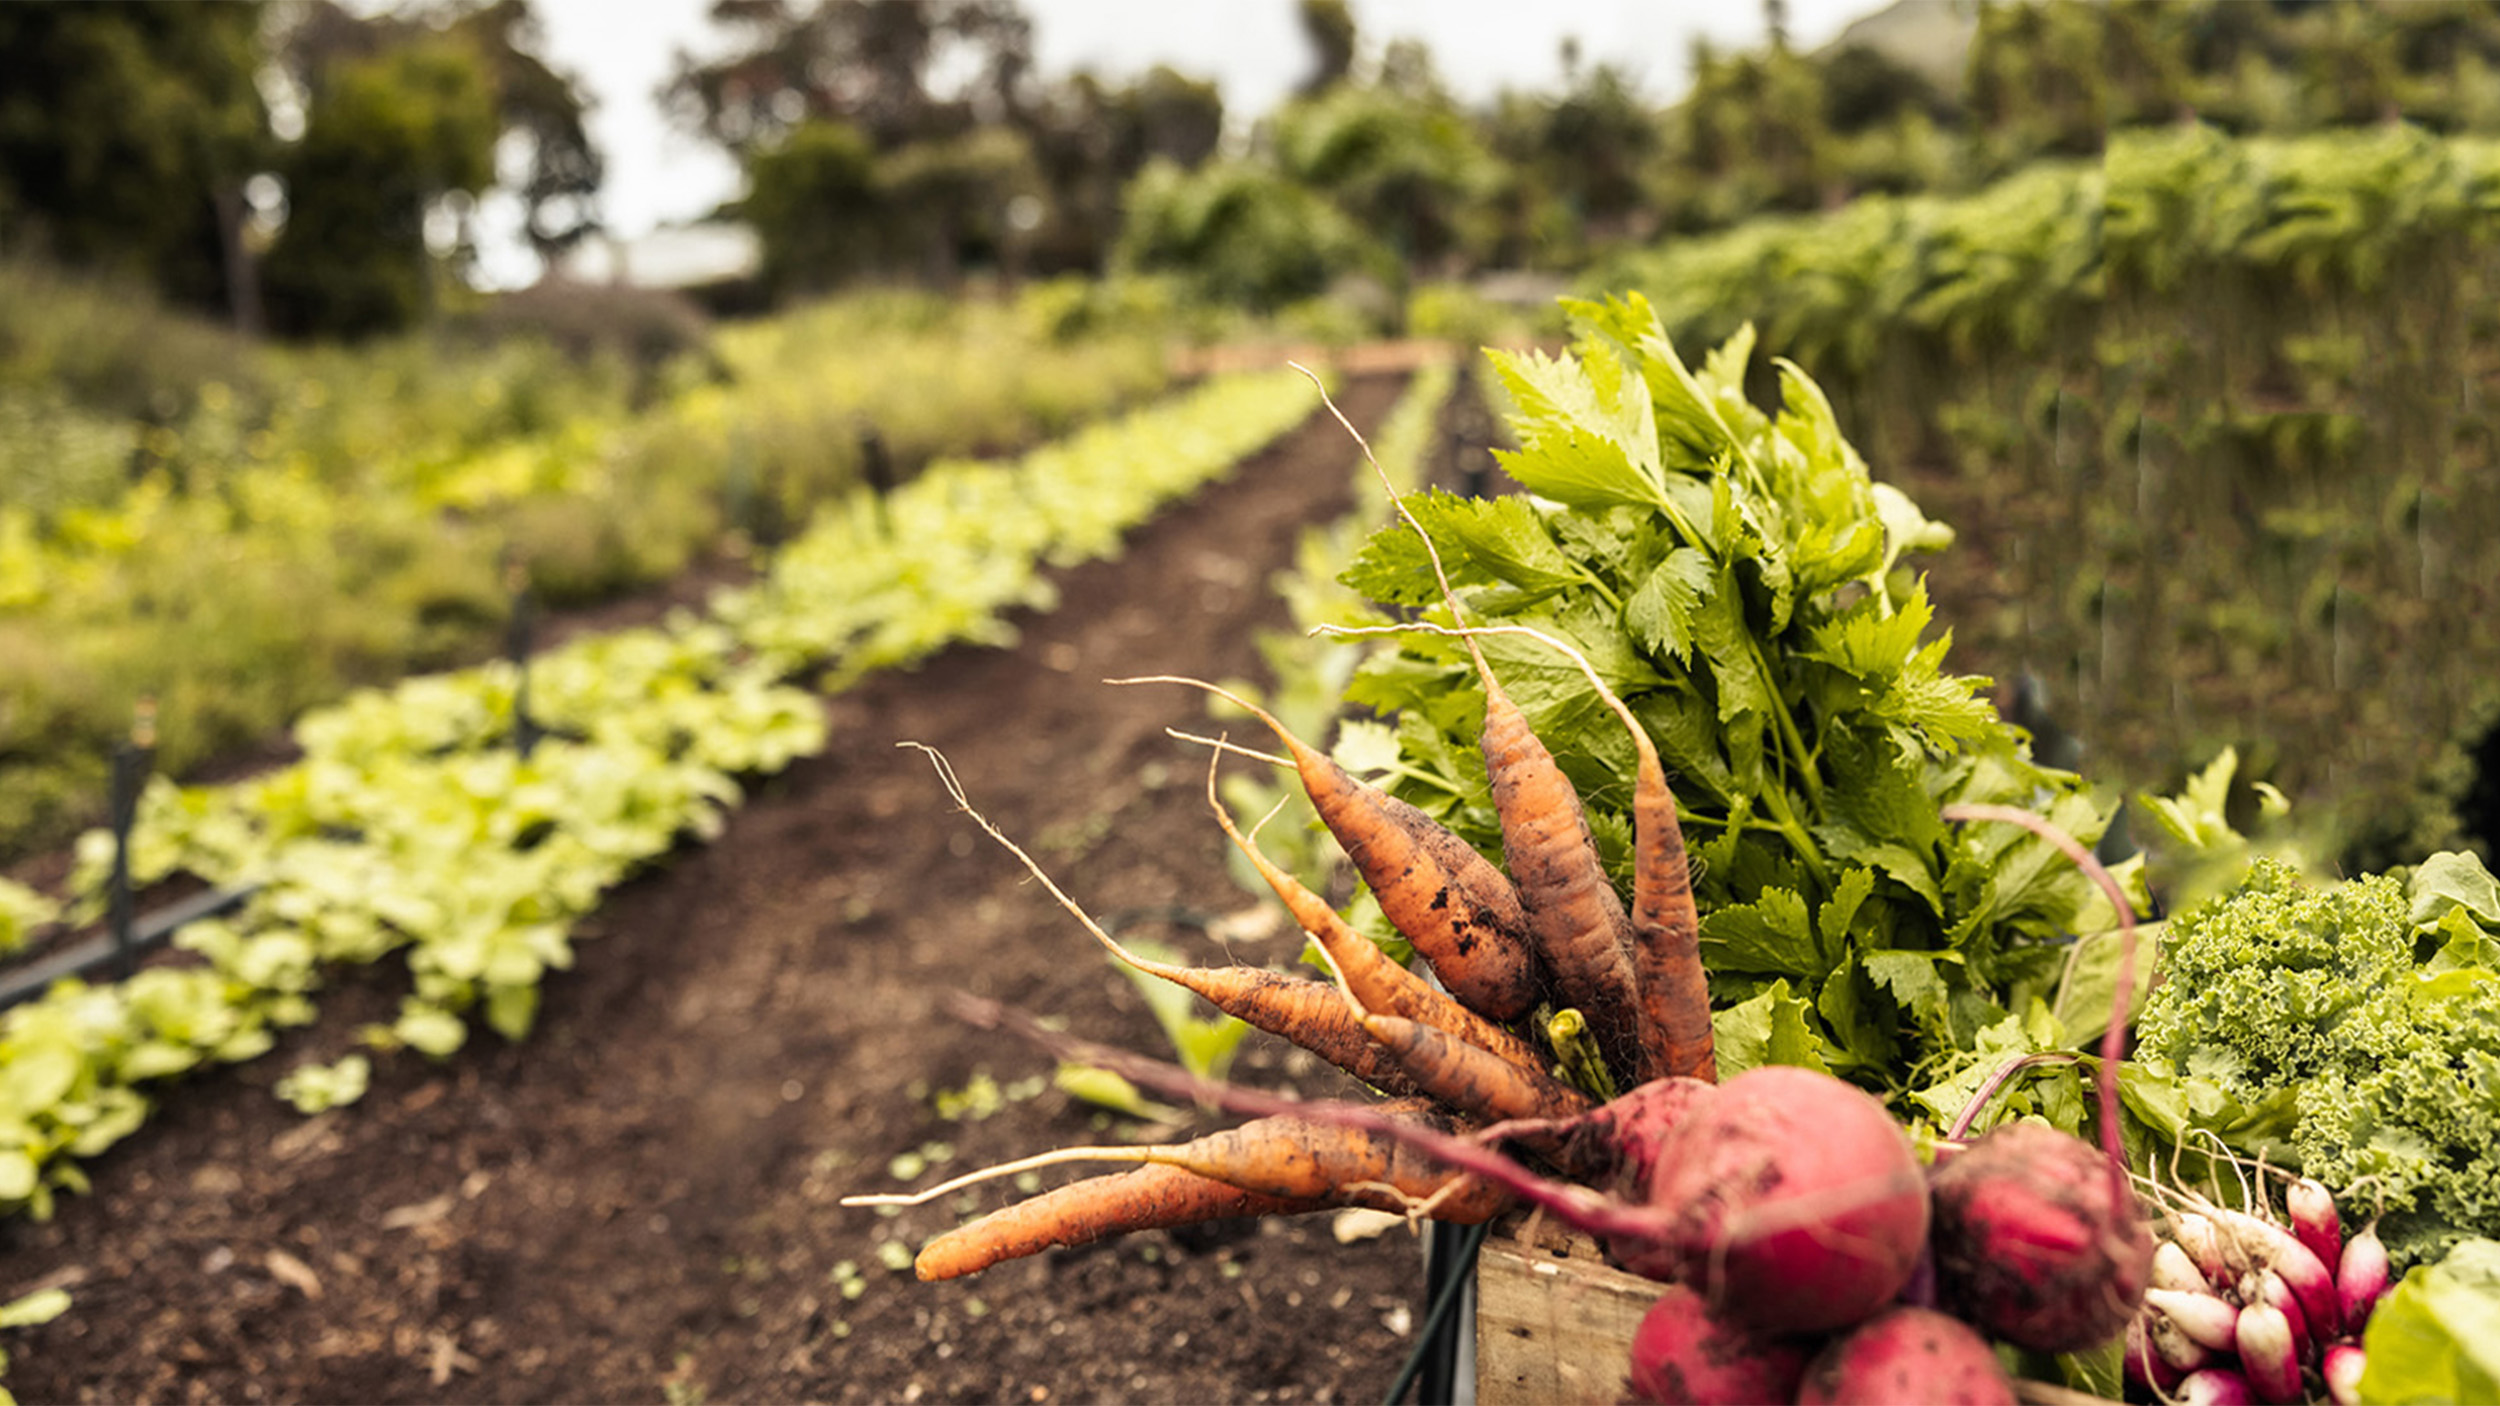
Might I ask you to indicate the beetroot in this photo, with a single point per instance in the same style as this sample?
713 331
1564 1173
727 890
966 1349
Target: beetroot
2030 1248
1795 1203
1685 1353
1908 1357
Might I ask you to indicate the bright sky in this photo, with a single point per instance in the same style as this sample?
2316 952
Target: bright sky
623 51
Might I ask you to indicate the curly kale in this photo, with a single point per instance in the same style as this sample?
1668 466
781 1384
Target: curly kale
2376 1004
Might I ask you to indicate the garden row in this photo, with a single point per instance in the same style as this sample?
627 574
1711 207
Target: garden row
241 549
2217 408
413 825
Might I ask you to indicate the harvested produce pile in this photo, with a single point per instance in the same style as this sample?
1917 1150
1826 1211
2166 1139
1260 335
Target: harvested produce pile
1787 1208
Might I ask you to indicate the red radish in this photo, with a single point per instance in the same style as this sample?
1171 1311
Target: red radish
2311 1210
2342 1370
2361 1278
2264 1245
1908 1357
2266 1354
2203 1243
2214 1386
2182 1352
1685 1354
2029 1247
2268 1287
2147 1368
2203 1316
2172 1269
1794 1202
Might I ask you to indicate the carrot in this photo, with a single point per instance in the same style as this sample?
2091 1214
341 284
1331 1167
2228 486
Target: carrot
1307 1012
1464 917
1376 983
1673 1030
1474 1081
1287 1158
1151 1197
1575 918
1574 914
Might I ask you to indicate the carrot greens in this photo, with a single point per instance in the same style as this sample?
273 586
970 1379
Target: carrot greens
1736 575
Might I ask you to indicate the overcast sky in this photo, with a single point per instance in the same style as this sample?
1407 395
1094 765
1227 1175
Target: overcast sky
622 51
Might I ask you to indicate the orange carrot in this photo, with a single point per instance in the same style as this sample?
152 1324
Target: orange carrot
1676 1038
1307 1012
1476 1082
1377 983
1289 1159
1574 913
1151 1197
1465 920
1673 1026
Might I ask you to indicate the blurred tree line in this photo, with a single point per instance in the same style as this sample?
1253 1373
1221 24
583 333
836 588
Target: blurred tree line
316 170
296 166
1374 171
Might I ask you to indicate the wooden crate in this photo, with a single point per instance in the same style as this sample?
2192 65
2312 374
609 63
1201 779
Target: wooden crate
1554 1321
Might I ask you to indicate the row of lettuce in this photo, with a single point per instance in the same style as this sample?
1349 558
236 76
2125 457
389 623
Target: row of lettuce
239 550
1750 589
2221 409
413 825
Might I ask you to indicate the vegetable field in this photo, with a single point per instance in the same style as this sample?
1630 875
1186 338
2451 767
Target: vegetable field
640 1198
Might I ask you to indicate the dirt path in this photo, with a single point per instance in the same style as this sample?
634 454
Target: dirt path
639 1202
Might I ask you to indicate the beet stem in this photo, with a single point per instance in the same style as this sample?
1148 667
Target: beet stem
2114 1038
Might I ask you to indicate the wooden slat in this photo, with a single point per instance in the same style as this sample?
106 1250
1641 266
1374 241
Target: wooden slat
1554 1321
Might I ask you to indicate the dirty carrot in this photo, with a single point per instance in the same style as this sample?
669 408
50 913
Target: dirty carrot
1673 988
1141 1198
1377 983
1465 918
1577 919
1474 1081
1307 1012
1282 1156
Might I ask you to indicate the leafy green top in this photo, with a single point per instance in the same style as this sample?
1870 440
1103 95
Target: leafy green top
2354 1027
1734 574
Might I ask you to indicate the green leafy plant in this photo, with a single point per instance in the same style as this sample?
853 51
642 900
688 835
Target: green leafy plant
1736 576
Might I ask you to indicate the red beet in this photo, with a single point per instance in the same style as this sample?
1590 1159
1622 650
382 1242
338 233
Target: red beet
1908 1357
2029 1247
1796 1203
1685 1354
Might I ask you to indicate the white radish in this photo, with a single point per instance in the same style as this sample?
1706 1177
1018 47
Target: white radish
2342 1370
2147 1368
2197 1236
2215 1386
2173 1269
2172 1344
2268 1287
2266 1245
2361 1278
2200 1314
2266 1356
2311 1209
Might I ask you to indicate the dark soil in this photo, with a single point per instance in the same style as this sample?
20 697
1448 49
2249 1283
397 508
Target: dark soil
639 1201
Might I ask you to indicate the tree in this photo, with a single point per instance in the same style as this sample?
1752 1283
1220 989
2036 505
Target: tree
1089 139
127 132
862 62
560 186
1328 26
386 139
814 202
